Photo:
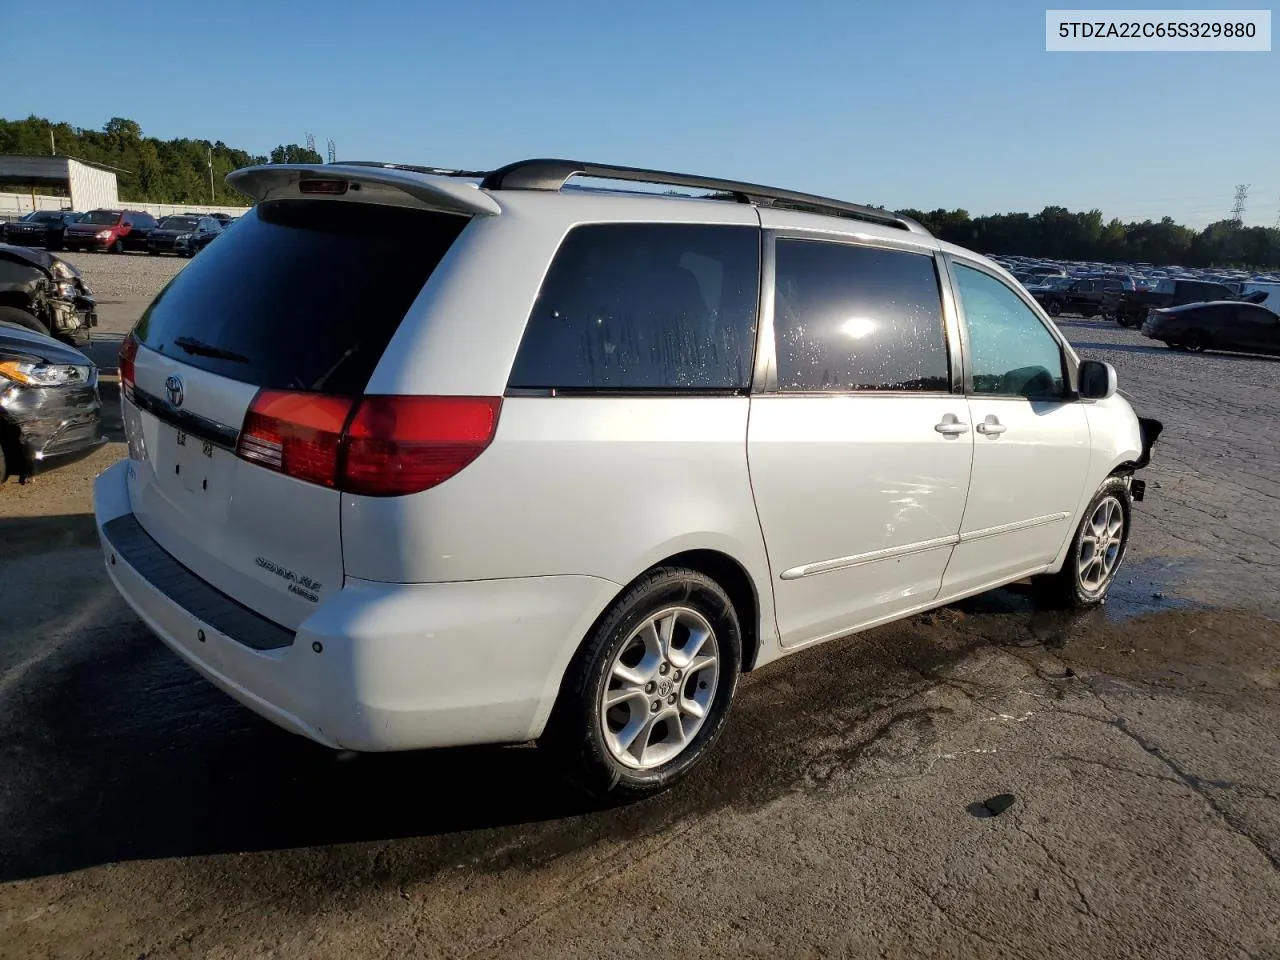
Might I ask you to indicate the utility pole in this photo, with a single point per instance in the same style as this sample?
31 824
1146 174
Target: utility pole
53 146
333 152
1237 209
211 195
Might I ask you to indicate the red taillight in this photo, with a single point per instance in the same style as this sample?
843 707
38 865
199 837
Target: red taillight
298 434
398 445
128 351
391 445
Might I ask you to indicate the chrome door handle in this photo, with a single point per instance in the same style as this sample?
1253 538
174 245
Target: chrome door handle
991 426
951 426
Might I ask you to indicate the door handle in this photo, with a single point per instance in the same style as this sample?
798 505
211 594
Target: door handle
991 426
951 426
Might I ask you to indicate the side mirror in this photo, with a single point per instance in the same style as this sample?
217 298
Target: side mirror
1097 380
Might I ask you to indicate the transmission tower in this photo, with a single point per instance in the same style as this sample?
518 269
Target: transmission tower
311 142
333 152
1237 208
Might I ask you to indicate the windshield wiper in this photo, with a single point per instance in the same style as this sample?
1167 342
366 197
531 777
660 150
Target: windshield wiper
196 347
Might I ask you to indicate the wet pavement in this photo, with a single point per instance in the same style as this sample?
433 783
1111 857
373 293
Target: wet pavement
984 780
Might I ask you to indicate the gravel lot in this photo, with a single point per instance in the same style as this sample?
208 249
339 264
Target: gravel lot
117 278
143 814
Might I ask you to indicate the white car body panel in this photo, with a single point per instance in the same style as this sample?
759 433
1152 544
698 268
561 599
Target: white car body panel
860 500
235 525
1025 489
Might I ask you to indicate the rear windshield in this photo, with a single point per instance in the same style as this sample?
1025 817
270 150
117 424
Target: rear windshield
302 295
101 217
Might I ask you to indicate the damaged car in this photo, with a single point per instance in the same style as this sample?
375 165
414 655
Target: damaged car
45 293
50 407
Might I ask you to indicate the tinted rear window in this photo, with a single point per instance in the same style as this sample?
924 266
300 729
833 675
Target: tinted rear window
645 306
302 295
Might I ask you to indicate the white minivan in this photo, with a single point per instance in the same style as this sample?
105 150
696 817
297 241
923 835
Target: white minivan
421 458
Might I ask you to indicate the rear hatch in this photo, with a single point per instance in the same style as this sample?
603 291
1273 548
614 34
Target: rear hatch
291 312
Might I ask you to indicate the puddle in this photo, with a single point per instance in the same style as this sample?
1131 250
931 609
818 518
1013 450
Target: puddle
1153 585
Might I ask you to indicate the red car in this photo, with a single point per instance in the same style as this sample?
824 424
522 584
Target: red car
113 231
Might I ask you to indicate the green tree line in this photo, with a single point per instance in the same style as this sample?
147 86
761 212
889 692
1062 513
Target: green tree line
1058 233
156 171
177 171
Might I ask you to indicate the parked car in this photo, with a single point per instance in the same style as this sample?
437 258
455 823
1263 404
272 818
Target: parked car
1229 325
45 293
52 413
574 505
1133 306
40 228
1045 270
110 231
183 235
1088 297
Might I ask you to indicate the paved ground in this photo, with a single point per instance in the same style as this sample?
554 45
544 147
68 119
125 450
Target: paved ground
143 814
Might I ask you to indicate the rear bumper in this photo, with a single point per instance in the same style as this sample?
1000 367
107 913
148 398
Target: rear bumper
377 666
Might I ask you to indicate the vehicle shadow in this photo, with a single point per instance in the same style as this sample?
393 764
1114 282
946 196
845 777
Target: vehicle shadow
114 750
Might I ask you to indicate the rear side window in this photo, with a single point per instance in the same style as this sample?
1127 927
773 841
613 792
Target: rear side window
645 306
848 317
302 295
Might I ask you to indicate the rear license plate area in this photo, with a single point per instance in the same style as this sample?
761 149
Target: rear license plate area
195 471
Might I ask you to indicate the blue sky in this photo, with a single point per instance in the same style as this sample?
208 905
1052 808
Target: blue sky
901 102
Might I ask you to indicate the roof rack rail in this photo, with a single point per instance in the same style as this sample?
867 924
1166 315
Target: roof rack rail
552 175
433 171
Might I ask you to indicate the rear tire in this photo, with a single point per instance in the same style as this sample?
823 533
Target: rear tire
1097 551
625 724
21 318
1054 308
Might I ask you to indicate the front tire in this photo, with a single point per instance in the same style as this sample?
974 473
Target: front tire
1097 551
117 247
1054 308
648 693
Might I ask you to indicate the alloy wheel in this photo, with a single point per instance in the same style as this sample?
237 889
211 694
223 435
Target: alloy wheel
659 688
1101 545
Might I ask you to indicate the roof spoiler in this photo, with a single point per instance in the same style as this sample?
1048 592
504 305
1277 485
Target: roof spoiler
277 180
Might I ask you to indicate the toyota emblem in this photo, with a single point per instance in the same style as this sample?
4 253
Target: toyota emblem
173 389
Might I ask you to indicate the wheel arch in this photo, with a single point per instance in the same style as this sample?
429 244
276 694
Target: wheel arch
724 568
